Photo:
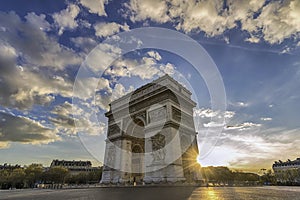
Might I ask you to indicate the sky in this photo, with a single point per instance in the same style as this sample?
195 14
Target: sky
58 73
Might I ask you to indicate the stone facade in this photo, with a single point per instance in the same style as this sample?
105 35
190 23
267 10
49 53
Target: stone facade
151 136
287 171
75 167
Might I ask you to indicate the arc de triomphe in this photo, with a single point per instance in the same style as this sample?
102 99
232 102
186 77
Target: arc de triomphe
151 136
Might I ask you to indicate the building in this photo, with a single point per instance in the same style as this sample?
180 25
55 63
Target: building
288 171
9 167
75 167
151 136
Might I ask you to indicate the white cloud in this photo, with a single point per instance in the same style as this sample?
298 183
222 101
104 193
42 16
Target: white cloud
148 9
4 145
206 113
243 126
25 130
168 68
7 51
85 88
239 104
253 39
155 55
65 19
266 118
207 118
229 114
22 88
273 21
71 119
84 23
206 16
102 56
95 6
107 29
145 68
213 124
35 46
260 148
102 100
25 84
84 43
279 20
38 21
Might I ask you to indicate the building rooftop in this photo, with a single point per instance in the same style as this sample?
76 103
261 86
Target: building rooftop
70 163
289 162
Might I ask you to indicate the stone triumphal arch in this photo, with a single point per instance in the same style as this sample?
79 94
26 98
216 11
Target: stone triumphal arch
151 136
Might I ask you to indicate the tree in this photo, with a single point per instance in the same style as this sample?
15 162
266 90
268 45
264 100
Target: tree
4 179
17 178
268 178
55 175
33 174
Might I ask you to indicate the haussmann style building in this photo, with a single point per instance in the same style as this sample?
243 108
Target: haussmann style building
287 171
75 167
151 136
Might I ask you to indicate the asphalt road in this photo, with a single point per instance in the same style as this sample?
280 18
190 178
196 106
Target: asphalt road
157 193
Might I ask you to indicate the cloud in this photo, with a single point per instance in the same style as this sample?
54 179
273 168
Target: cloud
240 104
272 21
242 126
31 66
4 145
25 130
101 57
229 114
207 16
95 6
38 21
279 21
7 51
213 124
261 148
86 44
146 67
71 119
107 29
249 146
103 99
86 87
209 113
154 10
266 118
168 68
35 47
21 88
155 55
65 19
203 112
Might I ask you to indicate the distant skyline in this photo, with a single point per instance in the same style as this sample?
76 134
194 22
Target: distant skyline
254 44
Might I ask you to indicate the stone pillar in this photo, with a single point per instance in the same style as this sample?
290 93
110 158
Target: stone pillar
163 163
125 161
109 163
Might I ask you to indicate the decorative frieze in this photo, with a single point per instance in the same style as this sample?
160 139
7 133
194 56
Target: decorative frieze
157 115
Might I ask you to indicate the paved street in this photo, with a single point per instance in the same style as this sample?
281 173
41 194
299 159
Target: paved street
157 193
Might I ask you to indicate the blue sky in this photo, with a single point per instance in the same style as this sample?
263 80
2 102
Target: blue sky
254 44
